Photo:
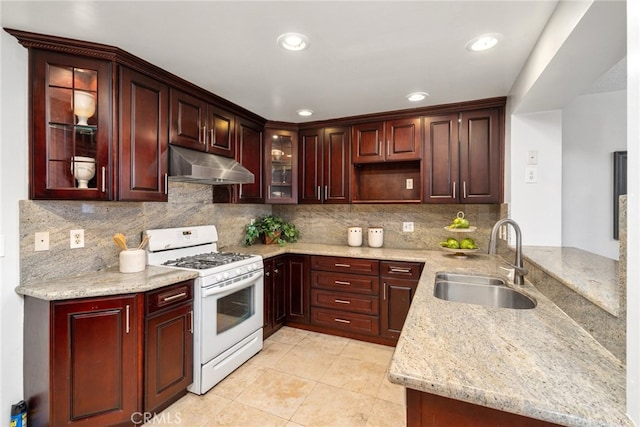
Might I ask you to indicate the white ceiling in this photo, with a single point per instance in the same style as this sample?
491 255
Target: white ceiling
364 57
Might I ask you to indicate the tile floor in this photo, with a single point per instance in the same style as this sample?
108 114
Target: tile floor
300 378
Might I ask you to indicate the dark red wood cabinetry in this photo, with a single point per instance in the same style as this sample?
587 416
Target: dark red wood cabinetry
324 168
144 124
297 290
250 154
62 84
201 126
399 284
81 360
168 345
99 361
281 165
392 140
463 157
275 292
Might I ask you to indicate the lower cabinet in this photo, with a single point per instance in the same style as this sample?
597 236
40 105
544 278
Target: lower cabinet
344 294
430 410
86 361
274 294
168 367
81 360
297 290
399 284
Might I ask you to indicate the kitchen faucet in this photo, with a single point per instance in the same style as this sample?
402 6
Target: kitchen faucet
519 267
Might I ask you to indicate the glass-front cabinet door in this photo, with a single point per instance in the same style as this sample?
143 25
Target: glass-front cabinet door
70 147
282 180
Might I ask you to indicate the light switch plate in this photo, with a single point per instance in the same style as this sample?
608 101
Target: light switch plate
532 157
531 174
409 183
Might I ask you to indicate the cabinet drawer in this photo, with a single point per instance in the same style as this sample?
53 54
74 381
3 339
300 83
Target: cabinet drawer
168 296
346 302
345 282
401 269
353 322
351 265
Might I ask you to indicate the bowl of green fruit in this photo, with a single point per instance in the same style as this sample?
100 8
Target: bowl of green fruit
460 224
460 248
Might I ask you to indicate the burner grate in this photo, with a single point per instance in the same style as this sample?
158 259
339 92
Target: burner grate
207 260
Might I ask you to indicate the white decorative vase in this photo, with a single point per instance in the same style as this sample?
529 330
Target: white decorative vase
83 170
84 106
354 236
376 237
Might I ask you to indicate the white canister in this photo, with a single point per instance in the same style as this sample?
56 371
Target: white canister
376 237
354 236
132 261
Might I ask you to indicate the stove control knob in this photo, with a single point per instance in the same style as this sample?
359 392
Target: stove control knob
250 267
226 275
238 271
217 278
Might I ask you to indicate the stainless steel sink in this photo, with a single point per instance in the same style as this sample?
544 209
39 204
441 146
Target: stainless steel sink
470 278
480 290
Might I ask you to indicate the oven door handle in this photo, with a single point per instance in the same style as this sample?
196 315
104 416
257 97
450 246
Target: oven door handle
237 285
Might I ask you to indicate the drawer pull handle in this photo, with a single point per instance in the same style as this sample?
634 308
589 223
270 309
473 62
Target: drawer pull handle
342 320
172 297
342 301
341 282
400 270
337 264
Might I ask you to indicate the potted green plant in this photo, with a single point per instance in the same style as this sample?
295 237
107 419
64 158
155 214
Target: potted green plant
271 229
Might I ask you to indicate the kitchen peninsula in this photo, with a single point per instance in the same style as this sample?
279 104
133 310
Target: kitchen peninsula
536 363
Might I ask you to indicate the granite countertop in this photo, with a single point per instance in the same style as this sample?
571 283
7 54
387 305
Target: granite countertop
537 363
105 282
593 276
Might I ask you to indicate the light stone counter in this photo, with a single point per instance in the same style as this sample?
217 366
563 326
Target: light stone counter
538 363
105 282
593 276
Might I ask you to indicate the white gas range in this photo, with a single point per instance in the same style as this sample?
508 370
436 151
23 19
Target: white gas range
228 302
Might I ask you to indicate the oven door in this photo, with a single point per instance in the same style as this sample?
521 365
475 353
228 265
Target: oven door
230 313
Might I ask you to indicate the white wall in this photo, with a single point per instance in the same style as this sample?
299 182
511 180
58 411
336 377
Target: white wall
537 207
633 207
13 187
593 127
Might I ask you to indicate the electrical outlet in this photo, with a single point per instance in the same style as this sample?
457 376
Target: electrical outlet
42 241
503 233
532 157
409 183
76 239
407 227
252 221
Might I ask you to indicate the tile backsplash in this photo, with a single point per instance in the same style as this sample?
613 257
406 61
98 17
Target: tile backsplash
191 204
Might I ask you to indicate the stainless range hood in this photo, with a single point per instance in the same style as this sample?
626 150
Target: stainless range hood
187 165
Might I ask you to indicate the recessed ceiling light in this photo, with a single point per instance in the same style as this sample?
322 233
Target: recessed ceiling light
305 112
417 96
293 41
483 42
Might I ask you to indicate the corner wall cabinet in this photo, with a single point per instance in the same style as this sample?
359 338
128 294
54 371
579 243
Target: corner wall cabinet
324 167
281 169
463 157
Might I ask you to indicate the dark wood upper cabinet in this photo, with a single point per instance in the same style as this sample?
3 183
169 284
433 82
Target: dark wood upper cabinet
250 154
392 140
481 159
144 119
463 157
71 118
201 126
324 165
